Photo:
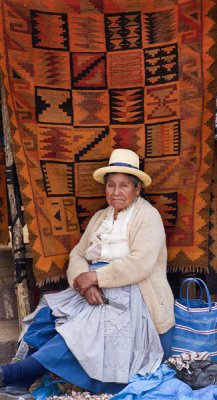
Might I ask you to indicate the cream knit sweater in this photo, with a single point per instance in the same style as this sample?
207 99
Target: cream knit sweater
145 265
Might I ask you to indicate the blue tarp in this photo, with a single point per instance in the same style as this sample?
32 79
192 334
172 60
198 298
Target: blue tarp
163 384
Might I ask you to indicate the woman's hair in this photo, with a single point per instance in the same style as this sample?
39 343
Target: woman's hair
133 178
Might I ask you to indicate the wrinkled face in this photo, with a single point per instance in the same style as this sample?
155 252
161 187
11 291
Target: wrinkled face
120 191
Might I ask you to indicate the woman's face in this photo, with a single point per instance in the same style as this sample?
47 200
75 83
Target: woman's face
120 191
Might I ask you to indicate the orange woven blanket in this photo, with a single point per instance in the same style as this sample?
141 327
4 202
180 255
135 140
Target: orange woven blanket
86 76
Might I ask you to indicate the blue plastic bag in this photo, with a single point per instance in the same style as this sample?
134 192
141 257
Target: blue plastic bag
49 387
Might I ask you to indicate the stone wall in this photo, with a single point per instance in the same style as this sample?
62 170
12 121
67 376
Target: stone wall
9 331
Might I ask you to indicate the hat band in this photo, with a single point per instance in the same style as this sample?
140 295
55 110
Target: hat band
122 164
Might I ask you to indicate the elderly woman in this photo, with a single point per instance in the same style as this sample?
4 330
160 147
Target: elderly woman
117 314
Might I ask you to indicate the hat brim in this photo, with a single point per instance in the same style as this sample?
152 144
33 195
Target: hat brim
100 173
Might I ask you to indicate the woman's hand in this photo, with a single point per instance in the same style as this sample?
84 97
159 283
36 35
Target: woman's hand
84 281
93 295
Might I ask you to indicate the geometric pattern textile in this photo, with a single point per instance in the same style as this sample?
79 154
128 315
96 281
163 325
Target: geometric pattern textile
84 77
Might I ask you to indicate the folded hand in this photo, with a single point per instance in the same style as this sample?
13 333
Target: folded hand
84 281
93 295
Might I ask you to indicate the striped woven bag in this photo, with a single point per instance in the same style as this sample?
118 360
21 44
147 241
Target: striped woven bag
196 322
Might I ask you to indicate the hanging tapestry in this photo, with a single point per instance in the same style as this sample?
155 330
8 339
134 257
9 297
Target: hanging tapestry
87 76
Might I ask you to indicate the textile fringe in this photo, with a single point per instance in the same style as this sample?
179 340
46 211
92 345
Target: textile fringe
185 269
54 279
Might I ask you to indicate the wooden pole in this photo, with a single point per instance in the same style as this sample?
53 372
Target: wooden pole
18 246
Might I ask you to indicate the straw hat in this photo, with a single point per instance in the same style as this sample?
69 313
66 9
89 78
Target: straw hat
125 162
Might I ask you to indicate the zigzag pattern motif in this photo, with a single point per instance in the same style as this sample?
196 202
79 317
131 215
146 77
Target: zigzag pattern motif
127 138
162 102
53 69
167 204
163 139
55 143
159 26
123 31
189 20
127 106
164 173
86 33
90 108
89 146
85 208
88 69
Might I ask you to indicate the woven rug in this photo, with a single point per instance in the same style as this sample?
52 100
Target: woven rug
86 76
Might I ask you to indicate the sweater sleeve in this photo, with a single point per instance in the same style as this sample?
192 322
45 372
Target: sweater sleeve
146 247
77 257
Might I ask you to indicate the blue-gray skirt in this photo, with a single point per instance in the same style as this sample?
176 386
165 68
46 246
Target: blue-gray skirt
53 353
67 329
